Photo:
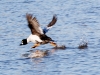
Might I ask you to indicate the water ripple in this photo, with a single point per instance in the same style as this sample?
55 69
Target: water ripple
76 19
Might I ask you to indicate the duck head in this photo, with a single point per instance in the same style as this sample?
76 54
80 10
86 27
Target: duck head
23 42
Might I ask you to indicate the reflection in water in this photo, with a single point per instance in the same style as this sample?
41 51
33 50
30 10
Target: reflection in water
42 53
36 60
37 55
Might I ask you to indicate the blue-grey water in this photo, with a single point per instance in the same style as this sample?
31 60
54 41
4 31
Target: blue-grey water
77 20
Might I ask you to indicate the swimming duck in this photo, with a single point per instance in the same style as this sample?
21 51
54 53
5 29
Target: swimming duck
38 36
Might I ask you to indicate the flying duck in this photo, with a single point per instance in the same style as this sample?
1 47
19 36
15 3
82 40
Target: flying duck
38 36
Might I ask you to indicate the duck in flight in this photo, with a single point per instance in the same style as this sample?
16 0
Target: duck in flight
38 36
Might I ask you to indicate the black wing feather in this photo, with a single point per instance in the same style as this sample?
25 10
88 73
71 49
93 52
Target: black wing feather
54 19
33 24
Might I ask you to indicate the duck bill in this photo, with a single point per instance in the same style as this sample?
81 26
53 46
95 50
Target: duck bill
20 44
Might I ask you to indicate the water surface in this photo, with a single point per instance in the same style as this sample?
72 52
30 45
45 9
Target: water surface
77 20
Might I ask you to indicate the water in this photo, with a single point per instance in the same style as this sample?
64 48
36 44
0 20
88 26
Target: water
77 19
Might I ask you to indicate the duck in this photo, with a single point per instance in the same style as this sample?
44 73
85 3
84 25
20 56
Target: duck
38 35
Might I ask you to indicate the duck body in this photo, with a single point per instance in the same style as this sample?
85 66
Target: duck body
43 39
34 39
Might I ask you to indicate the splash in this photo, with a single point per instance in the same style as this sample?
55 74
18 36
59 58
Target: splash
83 43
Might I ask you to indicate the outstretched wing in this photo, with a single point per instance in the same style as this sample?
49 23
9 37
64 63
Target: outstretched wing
33 25
54 19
